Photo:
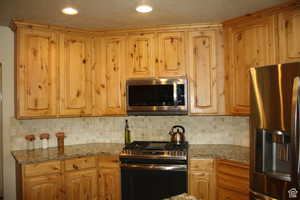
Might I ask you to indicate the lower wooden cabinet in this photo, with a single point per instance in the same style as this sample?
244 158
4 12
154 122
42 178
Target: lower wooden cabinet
232 180
109 184
86 178
81 185
202 179
43 187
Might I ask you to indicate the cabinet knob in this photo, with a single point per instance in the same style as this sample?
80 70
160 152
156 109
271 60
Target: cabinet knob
75 166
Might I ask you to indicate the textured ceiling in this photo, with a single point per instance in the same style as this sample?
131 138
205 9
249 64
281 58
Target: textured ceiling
118 14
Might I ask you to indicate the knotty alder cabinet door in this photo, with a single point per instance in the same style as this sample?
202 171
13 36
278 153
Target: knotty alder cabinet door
75 75
249 43
289 31
141 55
81 185
203 68
171 54
36 73
202 179
109 76
47 187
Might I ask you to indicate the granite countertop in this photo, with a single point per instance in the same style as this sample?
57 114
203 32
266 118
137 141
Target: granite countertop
215 151
220 151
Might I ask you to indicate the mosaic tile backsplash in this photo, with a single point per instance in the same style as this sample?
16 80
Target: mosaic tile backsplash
199 129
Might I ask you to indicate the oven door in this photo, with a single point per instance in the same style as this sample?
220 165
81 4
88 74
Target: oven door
152 182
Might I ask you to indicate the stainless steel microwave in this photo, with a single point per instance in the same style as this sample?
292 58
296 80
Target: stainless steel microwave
157 96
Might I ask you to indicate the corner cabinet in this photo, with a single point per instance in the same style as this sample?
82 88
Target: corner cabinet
36 73
206 72
249 43
171 54
109 76
75 75
141 55
289 31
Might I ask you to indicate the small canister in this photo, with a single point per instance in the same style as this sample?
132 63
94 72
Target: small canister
30 141
60 141
44 137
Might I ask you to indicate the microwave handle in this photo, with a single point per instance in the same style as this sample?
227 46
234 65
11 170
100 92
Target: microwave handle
175 97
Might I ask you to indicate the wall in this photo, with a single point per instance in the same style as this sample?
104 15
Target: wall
7 60
199 130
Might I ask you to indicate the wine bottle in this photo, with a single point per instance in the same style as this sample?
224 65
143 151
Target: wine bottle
127 133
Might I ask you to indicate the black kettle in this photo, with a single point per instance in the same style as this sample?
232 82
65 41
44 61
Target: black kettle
177 134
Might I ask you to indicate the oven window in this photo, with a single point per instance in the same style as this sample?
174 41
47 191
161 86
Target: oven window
151 95
152 184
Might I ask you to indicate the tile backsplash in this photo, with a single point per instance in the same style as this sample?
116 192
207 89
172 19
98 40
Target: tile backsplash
199 129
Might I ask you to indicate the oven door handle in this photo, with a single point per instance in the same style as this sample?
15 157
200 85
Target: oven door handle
155 167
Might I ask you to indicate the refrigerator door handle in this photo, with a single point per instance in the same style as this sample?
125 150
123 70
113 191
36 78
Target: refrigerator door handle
295 132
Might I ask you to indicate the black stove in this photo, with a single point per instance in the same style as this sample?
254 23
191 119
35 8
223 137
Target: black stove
155 150
153 170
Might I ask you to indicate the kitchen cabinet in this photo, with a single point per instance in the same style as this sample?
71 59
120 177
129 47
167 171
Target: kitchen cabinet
206 71
171 54
141 55
81 184
109 178
36 72
249 43
75 75
109 76
232 180
43 187
289 31
201 179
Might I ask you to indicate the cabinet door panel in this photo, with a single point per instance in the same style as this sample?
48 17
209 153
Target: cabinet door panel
224 194
250 44
200 185
109 87
203 72
141 59
36 73
81 185
171 54
109 184
43 187
75 72
289 31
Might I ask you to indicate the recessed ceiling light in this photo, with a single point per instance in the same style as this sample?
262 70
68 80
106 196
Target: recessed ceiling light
70 11
144 8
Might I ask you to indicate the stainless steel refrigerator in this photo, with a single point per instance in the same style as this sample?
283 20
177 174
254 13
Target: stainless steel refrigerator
274 132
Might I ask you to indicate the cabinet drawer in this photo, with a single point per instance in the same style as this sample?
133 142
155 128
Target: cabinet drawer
80 163
233 169
224 194
109 161
233 183
44 168
201 164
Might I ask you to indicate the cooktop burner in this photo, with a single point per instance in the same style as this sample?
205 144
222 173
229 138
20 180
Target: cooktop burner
154 149
151 145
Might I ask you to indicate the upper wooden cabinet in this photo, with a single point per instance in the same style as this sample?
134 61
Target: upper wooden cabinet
289 31
36 73
171 54
141 55
249 43
75 75
204 65
109 76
